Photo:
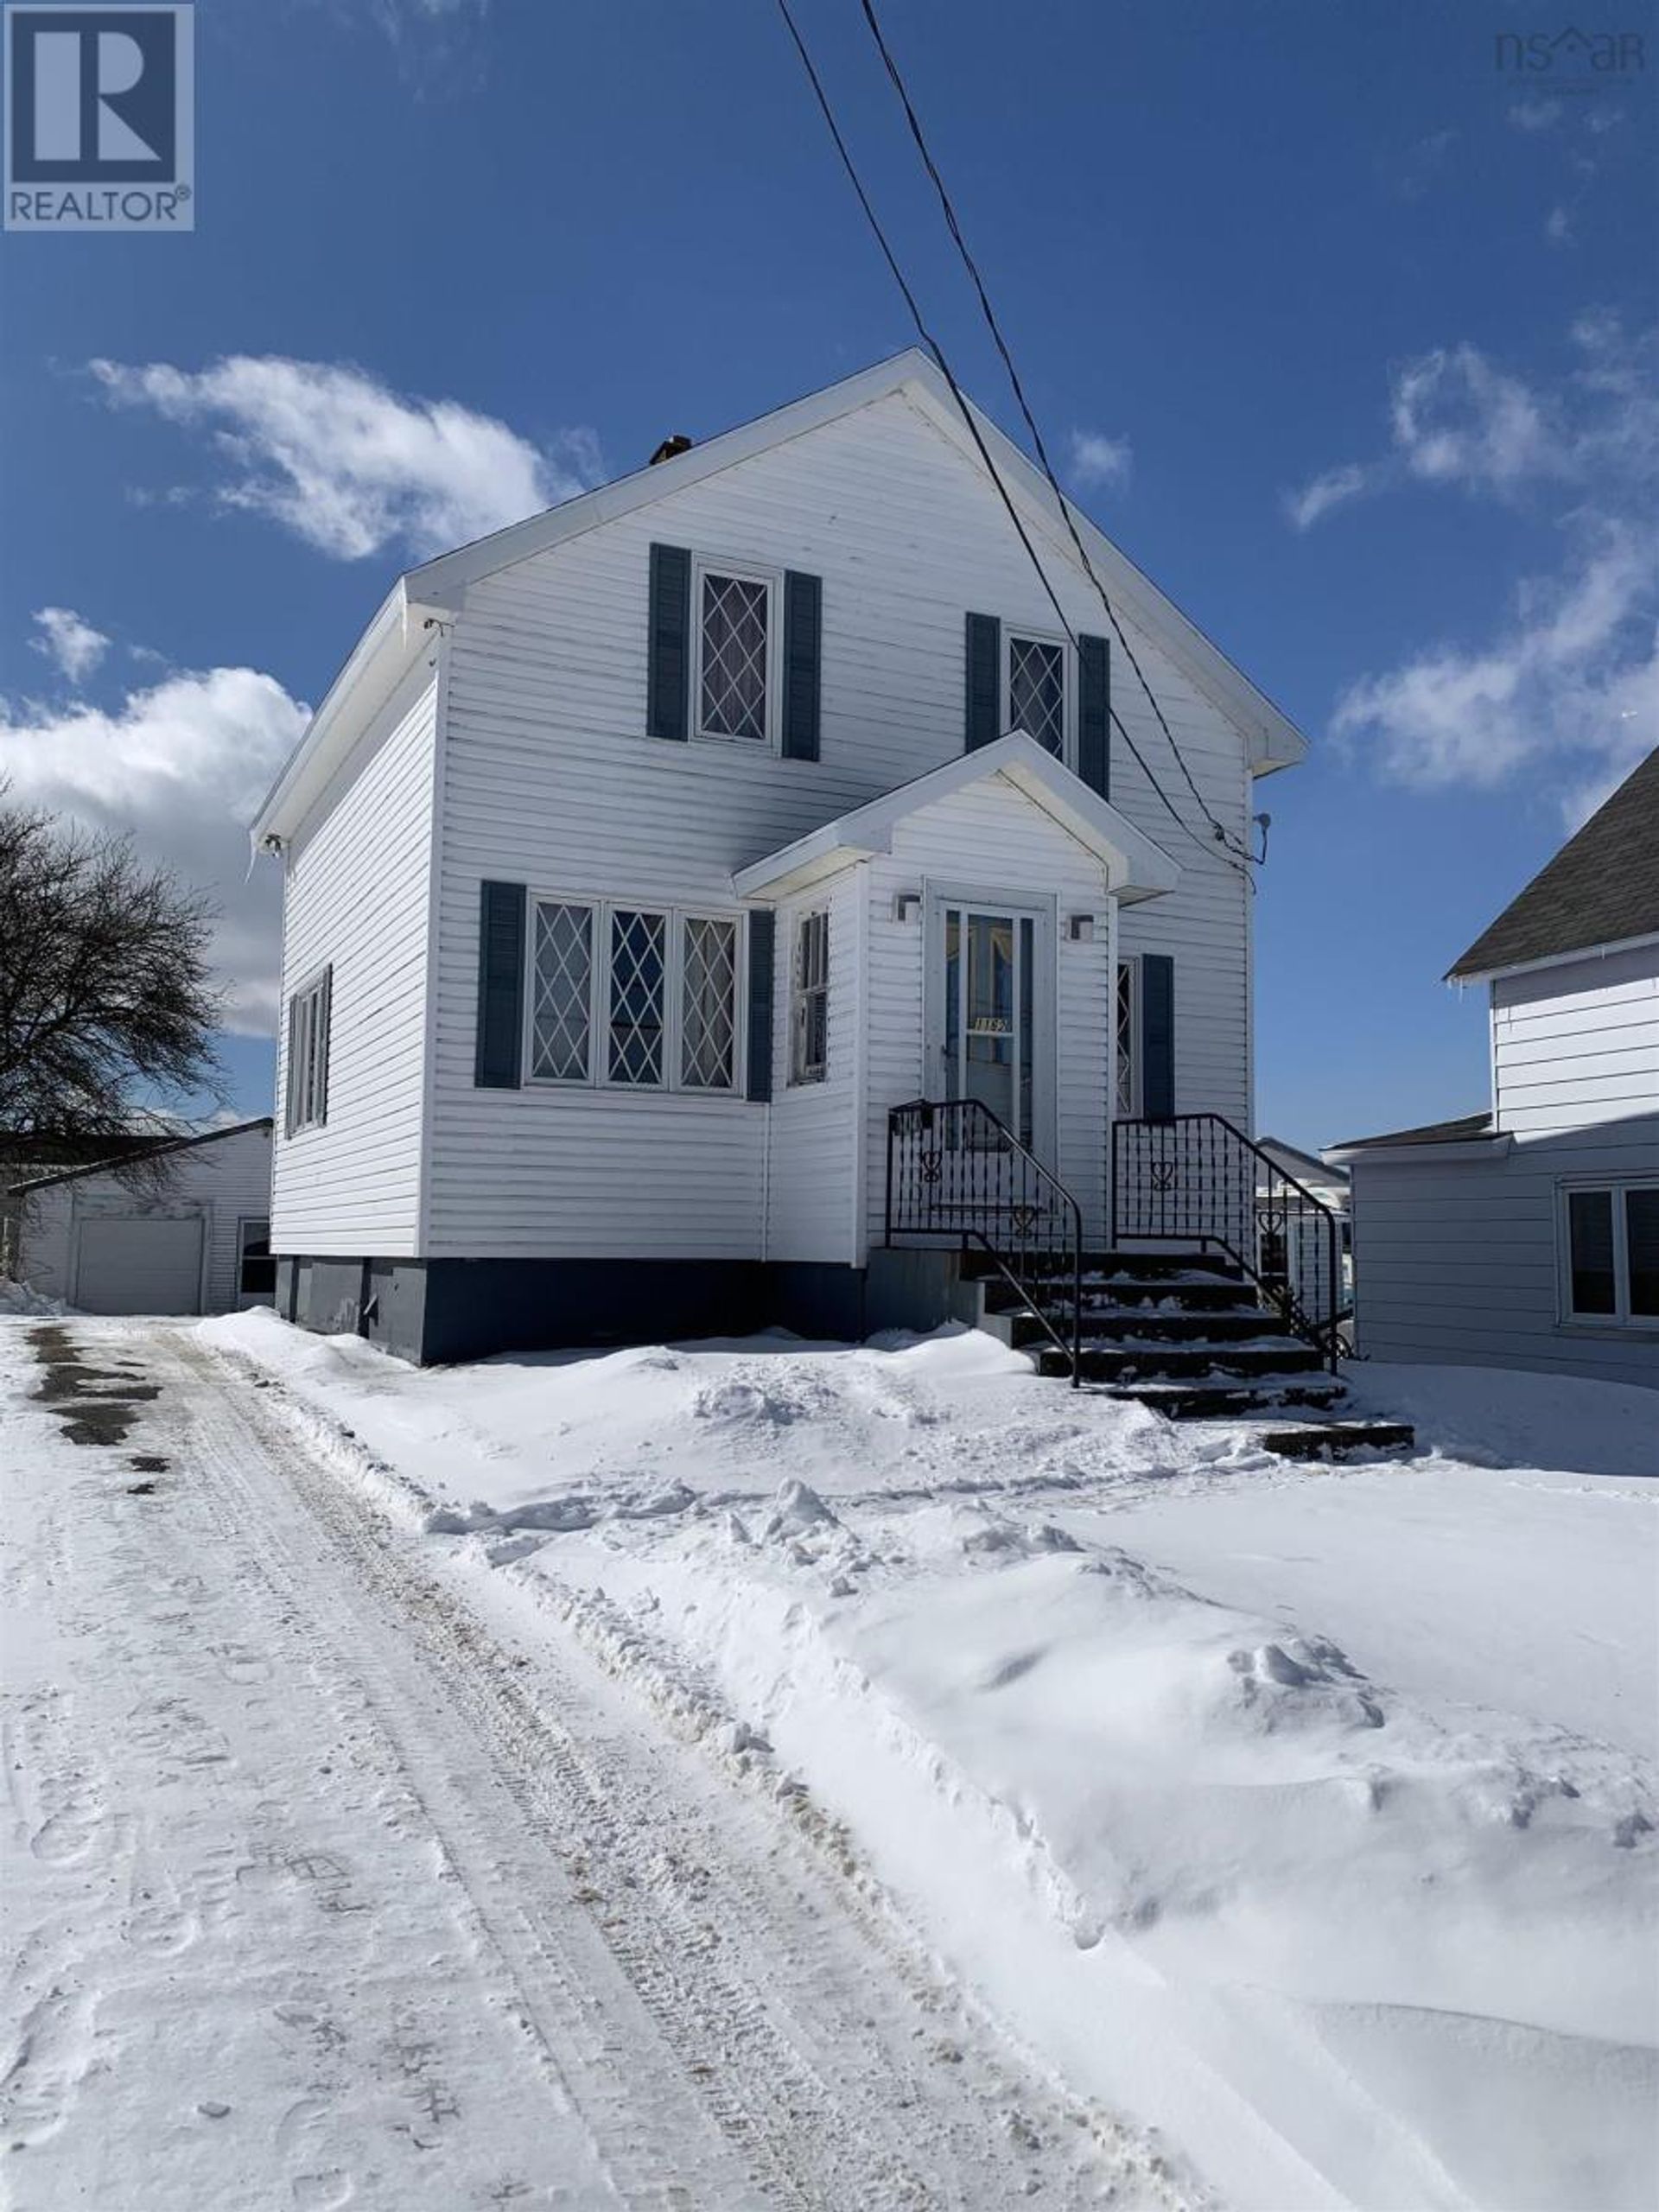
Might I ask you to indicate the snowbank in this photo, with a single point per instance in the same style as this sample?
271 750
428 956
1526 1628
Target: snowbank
1304 1817
18 1297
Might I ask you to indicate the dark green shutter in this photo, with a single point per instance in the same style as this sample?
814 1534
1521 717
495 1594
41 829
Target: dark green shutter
763 929
1095 714
500 986
290 1112
1157 1036
325 1022
667 683
803 633
984 680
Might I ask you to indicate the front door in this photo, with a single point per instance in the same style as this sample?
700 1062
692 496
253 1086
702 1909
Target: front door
990 1033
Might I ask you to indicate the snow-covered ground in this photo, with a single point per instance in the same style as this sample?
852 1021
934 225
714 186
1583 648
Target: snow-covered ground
322 1887
1303 1816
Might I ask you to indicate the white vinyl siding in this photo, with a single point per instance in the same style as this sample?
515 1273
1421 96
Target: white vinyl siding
1577 1042
550 780
813 1209
357 897
1460 1261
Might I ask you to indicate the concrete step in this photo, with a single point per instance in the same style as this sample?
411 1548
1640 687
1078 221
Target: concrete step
1132 1266
1220 1399
1137 1327
1339 1439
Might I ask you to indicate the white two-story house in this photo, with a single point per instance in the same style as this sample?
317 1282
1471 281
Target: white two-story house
1527 1235
647 854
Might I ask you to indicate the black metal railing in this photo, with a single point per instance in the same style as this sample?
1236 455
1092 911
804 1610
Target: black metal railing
1196 1179
955 1171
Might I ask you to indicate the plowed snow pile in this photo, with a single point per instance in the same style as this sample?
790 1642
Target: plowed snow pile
1304 1817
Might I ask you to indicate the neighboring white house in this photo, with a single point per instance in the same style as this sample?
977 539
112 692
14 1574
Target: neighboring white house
184 1227
1303 1200
1528 1235
646 854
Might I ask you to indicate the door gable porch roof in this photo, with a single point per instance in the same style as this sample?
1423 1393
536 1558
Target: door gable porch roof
1135 868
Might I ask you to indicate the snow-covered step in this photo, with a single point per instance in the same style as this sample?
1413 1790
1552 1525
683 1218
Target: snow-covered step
1220 1400
1338 1440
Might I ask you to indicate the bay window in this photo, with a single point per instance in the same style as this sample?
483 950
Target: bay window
633 997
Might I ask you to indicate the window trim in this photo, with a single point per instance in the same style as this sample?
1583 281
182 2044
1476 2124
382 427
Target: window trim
1617 1188
800 1074
704 565
1129 963
298 1117
244 1222
598 1077
1028 633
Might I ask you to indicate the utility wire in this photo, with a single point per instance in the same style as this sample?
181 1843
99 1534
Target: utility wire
969 418
948 211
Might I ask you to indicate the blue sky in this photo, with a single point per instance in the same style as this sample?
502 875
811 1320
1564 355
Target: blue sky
1345 334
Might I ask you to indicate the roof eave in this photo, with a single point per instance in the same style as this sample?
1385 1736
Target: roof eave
373 671
1599 952
1136 866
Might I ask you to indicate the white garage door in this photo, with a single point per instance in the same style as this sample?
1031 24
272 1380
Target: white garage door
139 1263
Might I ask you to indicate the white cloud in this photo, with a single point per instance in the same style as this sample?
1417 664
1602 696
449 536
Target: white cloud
1333 489
1558 225
69 641
1568 686
1535 115
1574 674
1097 460
183 765
346 464
1457 419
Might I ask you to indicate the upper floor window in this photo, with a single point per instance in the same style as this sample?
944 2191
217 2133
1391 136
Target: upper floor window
308 1017
1036 689
643 998
809 1017
1610 1238
737 632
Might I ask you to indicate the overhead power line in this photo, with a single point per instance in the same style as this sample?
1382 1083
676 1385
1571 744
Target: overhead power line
967 416
989 313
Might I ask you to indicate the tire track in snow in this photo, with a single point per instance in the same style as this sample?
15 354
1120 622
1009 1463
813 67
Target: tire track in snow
752 1995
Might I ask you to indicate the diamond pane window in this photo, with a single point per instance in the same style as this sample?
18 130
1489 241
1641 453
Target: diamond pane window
560 1014
639 979
709 1006
1126 1083
734 659
1037 691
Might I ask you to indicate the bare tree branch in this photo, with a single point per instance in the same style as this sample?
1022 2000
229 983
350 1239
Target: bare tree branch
107 1006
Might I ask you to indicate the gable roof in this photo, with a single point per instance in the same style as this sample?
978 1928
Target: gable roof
136 1155
437 588
1601 889
1136 867
1297 1163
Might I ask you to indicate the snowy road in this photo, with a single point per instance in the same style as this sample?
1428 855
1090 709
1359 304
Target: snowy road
321 1893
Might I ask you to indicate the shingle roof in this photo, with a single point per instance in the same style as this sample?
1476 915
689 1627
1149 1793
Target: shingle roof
1601 889
1468 1130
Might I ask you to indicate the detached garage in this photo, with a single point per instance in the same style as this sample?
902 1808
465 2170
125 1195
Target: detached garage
182 1228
